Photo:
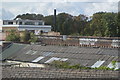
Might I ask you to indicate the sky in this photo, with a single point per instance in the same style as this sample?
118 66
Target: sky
11 8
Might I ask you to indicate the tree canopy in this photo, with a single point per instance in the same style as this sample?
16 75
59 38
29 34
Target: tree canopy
102 24
13 36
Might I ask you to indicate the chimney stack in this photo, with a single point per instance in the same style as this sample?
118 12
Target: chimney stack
55 20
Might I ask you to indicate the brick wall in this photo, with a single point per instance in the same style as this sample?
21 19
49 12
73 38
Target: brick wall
74 42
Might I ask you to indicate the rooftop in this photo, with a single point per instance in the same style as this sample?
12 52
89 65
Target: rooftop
16 72
85 56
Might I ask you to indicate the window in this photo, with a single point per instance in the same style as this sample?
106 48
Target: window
20 23
29 23
40 23
10 22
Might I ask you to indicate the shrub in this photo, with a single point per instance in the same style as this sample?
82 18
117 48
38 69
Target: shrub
33 38
13 36
26 36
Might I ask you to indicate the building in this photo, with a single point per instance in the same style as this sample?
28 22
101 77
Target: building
27 55
20 25
33 61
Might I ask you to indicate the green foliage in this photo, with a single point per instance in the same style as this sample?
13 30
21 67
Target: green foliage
60 64
33 38
77 66
66 65
102 24
26 36
13 36
30 16
75 34
103 68
114 64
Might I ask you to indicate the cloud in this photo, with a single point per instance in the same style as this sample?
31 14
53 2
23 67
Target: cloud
46 8
7 14
60 0
101 7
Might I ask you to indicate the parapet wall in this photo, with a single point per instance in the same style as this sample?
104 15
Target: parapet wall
77 42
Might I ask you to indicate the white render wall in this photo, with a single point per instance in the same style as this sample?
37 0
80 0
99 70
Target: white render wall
44 28
1 25
27 64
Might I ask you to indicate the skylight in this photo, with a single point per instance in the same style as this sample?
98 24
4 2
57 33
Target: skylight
47 53
38 59
52 59
117 65
31 52
97 64
55 59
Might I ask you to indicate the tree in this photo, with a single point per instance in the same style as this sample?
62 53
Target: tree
26 36
33 38
102 24
30 16
13 36
49 20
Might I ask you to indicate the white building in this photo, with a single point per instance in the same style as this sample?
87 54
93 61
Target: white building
33 25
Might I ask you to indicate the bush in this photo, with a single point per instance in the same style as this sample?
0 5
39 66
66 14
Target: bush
33 38
13 36
66 65
26 36
103 68
60 64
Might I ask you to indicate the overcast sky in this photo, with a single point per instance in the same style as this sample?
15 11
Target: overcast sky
12 8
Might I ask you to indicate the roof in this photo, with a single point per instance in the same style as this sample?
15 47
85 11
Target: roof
18 72
11 50
24 20
85 56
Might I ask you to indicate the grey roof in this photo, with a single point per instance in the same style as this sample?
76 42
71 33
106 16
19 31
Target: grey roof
75 55
20 72
11 50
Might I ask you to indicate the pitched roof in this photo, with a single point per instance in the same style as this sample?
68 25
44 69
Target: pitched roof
75 55
20 72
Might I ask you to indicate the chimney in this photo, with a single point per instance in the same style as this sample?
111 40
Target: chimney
55 20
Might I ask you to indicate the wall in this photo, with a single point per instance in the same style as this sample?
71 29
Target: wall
52 40
26 64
